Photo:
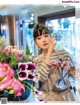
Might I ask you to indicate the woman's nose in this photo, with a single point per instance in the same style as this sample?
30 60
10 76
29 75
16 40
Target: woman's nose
43 39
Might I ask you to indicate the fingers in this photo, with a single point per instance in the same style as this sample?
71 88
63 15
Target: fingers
53 39
53 42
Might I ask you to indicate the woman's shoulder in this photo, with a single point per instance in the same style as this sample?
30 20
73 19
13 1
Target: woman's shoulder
61 51
38 58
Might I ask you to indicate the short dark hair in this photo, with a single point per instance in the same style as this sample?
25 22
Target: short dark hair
40 29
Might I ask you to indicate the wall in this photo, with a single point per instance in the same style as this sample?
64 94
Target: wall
47 9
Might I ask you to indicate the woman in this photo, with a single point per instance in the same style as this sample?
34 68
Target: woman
49 66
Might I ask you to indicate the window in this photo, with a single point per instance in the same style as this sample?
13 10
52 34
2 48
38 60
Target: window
67 34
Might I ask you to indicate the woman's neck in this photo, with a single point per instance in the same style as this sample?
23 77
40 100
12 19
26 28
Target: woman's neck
45 51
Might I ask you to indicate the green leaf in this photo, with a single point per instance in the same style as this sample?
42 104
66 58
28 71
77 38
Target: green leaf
27 50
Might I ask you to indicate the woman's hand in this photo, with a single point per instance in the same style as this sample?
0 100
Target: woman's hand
51 45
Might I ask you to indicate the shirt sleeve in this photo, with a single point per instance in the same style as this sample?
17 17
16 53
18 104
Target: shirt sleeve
71 61
67 57
42 69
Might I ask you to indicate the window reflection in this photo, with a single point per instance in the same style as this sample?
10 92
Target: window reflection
66 31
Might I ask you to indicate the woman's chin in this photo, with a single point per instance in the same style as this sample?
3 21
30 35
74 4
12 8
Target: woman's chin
45 48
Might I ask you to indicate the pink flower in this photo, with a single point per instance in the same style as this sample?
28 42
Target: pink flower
14 84
39 95
5 83
21 52
26 66
17 86
31 66
36 77
22 66
5 70
65 65
9 48
23 75
3 47
17 51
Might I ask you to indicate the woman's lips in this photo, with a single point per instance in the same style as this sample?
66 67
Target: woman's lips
45 44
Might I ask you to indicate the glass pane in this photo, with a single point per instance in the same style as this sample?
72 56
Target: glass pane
67 34
63 31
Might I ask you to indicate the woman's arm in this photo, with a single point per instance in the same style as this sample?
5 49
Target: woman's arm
42 69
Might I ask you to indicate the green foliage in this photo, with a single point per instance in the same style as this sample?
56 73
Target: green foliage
30 56
8 57
27 50
11 56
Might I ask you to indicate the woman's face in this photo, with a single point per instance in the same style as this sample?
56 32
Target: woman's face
43 41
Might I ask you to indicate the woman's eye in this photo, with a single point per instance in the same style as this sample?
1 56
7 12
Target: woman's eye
46 35
38 38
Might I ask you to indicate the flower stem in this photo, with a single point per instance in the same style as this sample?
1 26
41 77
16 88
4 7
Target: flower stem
29 89
29 84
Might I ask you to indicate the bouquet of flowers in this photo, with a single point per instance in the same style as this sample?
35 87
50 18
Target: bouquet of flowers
16 70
